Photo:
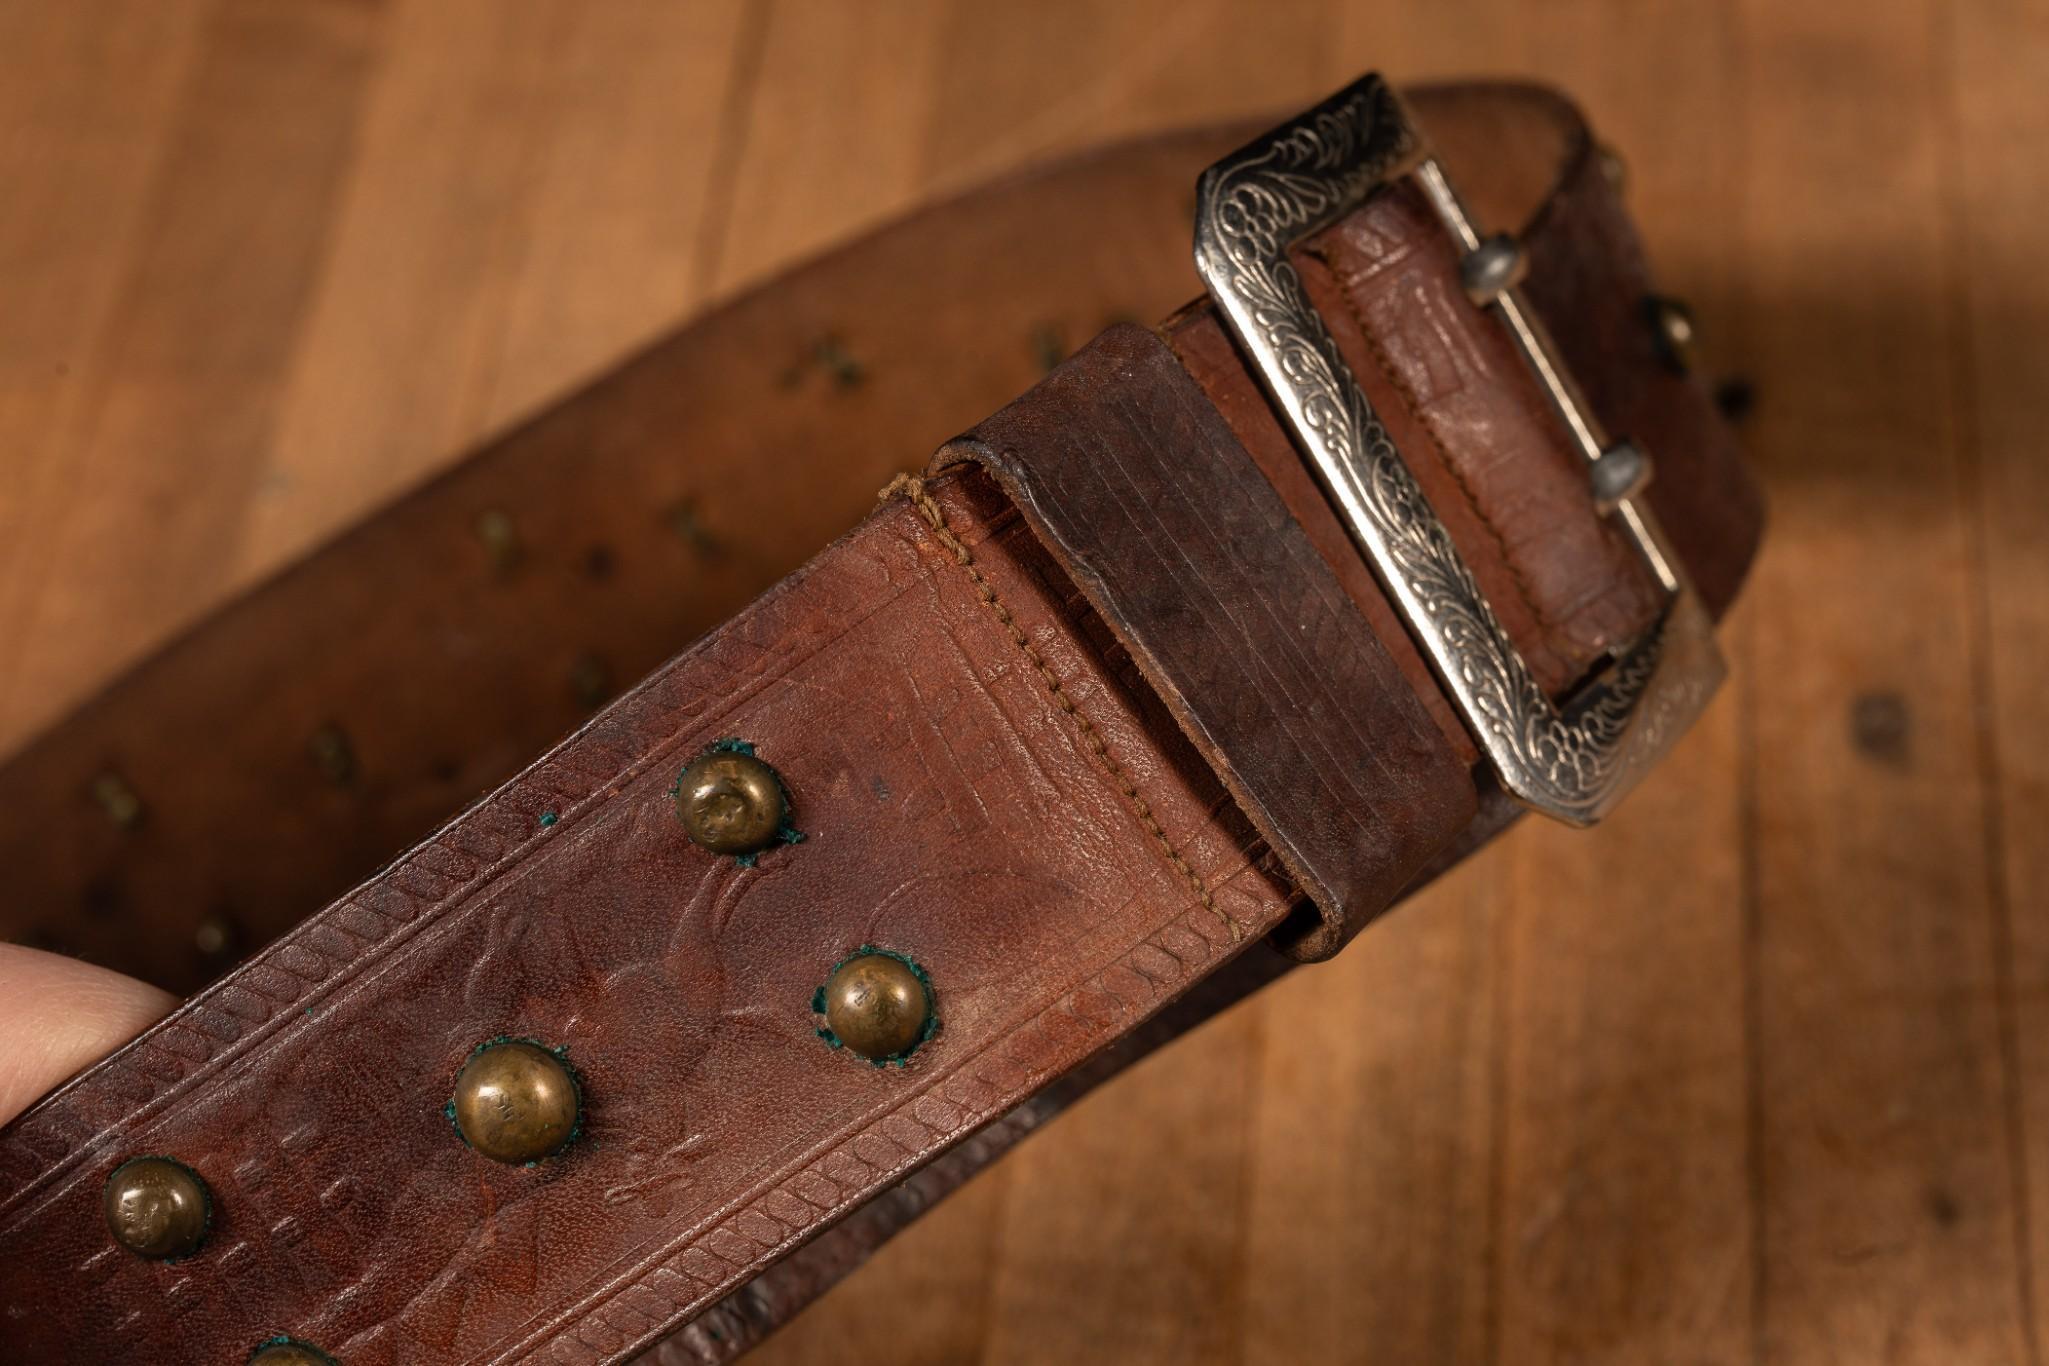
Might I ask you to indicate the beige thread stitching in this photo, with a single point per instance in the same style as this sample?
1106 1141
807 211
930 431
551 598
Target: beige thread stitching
913 488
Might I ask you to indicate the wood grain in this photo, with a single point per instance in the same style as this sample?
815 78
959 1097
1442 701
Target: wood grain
1756 1073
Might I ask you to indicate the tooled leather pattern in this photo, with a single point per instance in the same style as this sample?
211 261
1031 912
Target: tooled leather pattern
643 511
47 1310
1588 274
739 1322
1588 279
1479 410
950 811
1286 693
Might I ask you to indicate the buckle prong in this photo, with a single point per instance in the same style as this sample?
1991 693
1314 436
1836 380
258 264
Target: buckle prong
1572 762
1619 470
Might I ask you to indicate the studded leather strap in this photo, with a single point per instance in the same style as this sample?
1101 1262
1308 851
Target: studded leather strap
1014 757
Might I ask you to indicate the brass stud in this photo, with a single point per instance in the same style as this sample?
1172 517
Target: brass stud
1613 168
516 1102
123 808
731 802
828 353
157 1208
877 1005
501 541
1673 330
289 1352
333 754
217 936
1049 347
684 520
846 371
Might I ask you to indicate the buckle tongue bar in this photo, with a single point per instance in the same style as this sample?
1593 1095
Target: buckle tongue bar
1574 762
1617 472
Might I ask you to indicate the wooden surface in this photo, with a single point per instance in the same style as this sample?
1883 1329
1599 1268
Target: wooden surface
1758 1072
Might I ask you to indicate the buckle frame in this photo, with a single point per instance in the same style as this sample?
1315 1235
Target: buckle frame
1573 762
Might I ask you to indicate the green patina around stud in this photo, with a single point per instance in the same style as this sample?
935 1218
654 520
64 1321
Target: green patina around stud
930 1026
785 832
158 1208
286 1350
560 1052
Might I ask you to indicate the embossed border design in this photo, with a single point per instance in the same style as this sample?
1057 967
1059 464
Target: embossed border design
276 1002
1574 764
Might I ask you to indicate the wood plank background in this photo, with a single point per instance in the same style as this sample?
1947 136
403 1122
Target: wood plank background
1759 1072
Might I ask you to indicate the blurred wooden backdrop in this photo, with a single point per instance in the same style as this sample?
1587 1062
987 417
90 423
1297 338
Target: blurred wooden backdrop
1759 1072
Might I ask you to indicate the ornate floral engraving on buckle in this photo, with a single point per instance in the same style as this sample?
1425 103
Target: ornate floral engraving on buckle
1574 762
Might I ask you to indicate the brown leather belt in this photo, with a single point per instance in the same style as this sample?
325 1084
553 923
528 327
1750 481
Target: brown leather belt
1101 724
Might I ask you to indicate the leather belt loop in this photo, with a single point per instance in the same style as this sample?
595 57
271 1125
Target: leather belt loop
1134 482
1057 744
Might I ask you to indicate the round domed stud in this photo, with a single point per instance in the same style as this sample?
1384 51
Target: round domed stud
157 1208
1493 268
1620 474
516 1102
877 1005
289 1352
731 802
1613 168
1673 330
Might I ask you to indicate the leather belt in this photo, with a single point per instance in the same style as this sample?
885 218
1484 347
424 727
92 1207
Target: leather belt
1101 723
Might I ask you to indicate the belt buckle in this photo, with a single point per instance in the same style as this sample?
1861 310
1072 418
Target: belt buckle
1572 762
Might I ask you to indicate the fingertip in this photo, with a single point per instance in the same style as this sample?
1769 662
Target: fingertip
59 1015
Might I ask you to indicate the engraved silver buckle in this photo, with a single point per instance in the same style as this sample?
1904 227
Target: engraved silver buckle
1572 762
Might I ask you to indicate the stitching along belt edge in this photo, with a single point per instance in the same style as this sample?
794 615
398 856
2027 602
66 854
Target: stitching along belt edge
1018 787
